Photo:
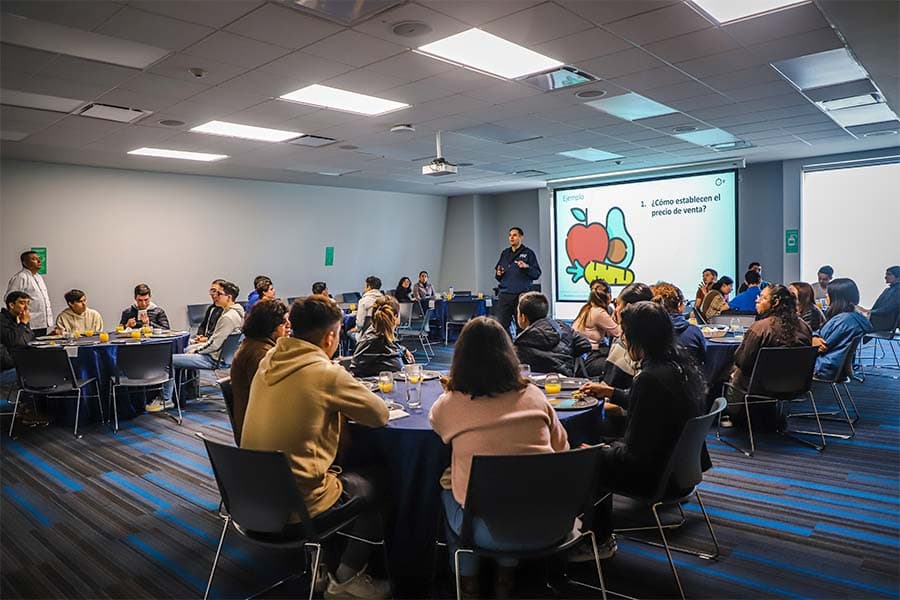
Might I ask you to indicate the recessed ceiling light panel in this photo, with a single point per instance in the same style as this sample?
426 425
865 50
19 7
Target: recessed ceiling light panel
343 100
725 11
708 137
849 102
39 101
862 115
820 69
247 132
631 107
179 154
590 154
486 52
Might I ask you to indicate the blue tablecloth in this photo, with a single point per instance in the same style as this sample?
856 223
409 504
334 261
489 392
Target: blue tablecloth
99 361
414 457
719 360
440 314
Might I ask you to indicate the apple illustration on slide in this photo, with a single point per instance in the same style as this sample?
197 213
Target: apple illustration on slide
600 251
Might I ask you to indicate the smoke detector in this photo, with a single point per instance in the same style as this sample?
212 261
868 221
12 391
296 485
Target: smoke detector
403 128
410 29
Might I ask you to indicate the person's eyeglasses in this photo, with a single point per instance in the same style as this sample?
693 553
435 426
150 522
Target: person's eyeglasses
216 293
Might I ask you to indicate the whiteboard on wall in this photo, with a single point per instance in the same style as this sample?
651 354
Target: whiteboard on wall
850 219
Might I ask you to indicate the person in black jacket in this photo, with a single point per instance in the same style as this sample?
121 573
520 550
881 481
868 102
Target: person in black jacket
885 313
15 330
547 345
666 393
144 312
377 349
516 268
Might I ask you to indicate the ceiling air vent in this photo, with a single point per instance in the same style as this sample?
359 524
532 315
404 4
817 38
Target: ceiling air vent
109 112
313 141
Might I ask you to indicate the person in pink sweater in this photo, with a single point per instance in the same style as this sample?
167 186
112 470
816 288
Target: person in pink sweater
488 409
597 325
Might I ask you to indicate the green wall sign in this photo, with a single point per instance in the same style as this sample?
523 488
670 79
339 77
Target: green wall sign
329 256
791 241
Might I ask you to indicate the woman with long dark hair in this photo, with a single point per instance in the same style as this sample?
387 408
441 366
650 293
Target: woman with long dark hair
716 300
844 324
403 290
667 392
488 409
595 322
377 349
806 304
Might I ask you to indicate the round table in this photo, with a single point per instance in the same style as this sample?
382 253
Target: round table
413 458
719 360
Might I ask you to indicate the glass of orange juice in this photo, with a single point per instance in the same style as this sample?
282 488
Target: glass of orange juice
120 328
385 384
352 307
88 332
76 334
136 334
104 337
552 385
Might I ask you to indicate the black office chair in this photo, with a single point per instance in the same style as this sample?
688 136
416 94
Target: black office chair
779 375
458 314
226 356
679 481
228 396
195 314
260 495
147 365
530 501
843 377
890 337
48 372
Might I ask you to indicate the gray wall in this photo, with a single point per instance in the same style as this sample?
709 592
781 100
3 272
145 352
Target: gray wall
106 230
761 235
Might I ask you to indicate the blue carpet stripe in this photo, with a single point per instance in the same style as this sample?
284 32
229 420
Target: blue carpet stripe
843 513
180 491
192 464
816 574
42 465
856 442
173 439
121 482
857 534
758 522
891 481
211 540
806 484
27 506
708 571
168 564
890 427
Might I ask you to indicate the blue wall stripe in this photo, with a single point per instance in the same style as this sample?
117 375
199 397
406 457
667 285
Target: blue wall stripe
171 565
121 482
810 485
768 524
51 471
27 506
153 477
844 513
819 575
857 534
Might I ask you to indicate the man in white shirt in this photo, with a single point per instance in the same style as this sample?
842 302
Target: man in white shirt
364 307
27 280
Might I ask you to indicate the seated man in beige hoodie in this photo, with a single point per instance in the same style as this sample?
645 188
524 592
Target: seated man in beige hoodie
298 400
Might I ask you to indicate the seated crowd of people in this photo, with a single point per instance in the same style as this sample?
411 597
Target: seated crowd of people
293 393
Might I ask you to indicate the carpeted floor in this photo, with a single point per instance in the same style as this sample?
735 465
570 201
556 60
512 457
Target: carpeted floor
134 515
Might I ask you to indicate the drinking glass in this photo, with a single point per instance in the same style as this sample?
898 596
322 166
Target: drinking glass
104 337
386 385
734 324
413 385
525 371
552 385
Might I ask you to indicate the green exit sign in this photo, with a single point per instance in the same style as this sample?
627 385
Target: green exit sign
791 241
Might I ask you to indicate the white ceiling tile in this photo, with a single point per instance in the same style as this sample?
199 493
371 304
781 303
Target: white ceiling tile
743 78
537 25
270 114
282 26
693 45
678 91
23 59
74 132
177 67
213 13
201 142
478 12
798 45
717 64
152 29
306 66
235 49
27 120
762 90
459 80
80 14
261 84
696 104
651 78
502 91
228 99
52 86
583 45
414 93
165 87
410 66
140 100
382 24
87 71
365 81
779 24
353 48
319 120
620 63
608 11
131 137
660 24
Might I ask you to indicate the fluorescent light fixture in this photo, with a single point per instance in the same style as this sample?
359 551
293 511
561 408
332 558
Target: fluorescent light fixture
849 102
247 132
590 154
59 39
39 101
708 137
631 107
820 69
486 52
725 11
163 153
335 99
862 115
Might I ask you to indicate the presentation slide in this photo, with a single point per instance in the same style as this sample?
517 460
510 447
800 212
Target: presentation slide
848 219
659 229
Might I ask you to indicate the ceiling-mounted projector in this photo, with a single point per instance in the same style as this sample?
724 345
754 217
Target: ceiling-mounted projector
439 166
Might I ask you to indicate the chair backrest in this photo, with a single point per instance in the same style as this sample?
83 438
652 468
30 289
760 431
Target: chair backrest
195 314
229 348
684 470
530 500
44 368
228 396
258 489
349 297
461 312
145 361
406 313
784 373
847 368
698 314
